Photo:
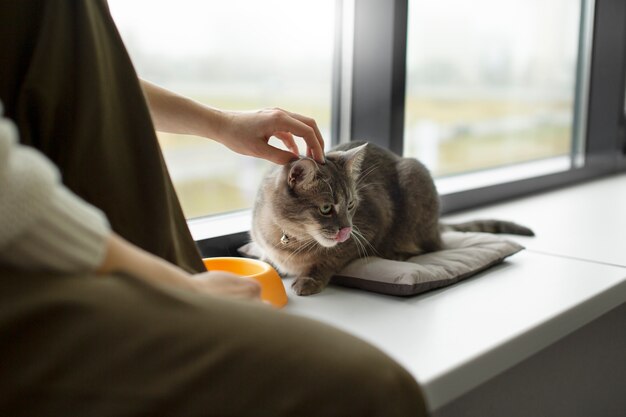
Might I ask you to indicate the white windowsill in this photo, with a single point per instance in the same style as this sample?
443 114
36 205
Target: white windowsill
220 225
501 175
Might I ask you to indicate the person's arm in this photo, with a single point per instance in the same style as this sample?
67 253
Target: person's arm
123 256
46 227
246 133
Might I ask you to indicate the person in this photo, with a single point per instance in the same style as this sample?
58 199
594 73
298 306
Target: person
106 306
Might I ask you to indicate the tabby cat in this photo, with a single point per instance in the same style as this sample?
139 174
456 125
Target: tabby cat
313 219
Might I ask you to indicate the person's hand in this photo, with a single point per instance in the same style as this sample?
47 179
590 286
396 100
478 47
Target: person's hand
228 285
123 256
248 133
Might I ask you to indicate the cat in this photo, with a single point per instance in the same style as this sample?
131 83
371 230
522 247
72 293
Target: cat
312 219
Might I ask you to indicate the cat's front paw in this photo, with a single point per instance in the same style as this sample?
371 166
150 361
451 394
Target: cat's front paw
307 286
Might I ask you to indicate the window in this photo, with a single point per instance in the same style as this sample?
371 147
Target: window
526 93
490 82
469 88
233 55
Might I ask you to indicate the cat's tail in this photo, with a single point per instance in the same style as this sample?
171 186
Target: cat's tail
489 226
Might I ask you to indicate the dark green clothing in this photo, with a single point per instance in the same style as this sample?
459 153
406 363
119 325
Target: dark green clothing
109 346
113 346
68 83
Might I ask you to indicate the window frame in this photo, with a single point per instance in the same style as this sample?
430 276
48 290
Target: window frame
373 108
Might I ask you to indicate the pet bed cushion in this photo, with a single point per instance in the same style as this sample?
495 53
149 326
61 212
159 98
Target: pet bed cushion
463 255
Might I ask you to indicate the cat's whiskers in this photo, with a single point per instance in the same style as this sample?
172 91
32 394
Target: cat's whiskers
357 232
359 245
295 242
367 242
316 233
363 247
305 246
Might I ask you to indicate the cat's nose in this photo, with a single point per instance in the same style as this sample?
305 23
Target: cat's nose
343 234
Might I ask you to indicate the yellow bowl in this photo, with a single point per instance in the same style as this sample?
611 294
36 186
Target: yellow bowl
272 288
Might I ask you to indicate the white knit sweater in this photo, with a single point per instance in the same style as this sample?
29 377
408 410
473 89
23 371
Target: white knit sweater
43 225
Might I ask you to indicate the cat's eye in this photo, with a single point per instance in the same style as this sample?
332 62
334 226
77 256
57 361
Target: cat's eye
326 209
351 205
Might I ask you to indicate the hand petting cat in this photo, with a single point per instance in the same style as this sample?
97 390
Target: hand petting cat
247 133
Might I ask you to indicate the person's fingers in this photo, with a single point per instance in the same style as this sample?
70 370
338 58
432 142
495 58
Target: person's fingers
223 283
287 139
311 123
249 290
285 121
273 154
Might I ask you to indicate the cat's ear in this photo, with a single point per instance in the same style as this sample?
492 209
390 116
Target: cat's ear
354 158
302 173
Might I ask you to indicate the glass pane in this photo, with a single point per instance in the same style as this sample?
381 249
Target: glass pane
234 55
490 82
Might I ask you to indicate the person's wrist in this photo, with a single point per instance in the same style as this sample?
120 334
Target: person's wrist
211 123
219 124
111 261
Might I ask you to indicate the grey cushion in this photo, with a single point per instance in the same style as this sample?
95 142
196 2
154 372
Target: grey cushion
464 255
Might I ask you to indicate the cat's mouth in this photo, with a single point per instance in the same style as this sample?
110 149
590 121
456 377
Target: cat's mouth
334 239
326 242
343 234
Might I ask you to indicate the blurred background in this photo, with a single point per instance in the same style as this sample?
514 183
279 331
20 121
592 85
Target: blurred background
489 82
233 55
